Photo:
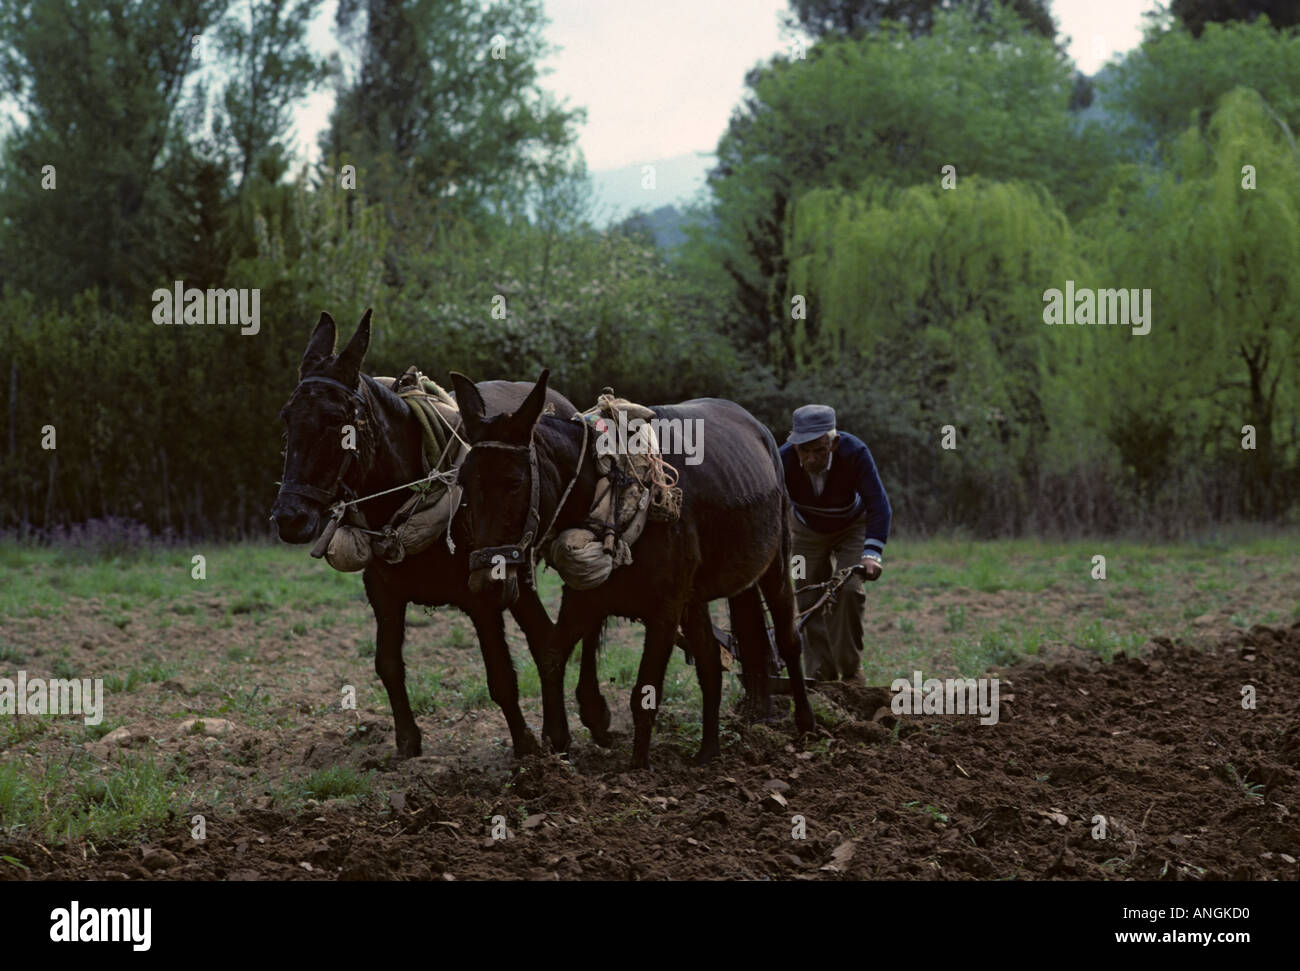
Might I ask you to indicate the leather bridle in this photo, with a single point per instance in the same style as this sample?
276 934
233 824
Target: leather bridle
326 497
517 554
523 554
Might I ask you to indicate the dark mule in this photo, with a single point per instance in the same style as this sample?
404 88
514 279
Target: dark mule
731 541
317 471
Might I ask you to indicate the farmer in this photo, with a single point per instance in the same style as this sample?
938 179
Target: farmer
841 514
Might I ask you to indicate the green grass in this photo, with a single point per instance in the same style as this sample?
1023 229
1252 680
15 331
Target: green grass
248 578
425 690
78 799
146 673
333 782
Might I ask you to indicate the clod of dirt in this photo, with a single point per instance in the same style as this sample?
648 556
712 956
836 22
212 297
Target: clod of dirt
155 859
121 736
206 726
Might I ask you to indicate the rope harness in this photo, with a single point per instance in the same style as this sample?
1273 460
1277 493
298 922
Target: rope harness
348 543
636 485
631 489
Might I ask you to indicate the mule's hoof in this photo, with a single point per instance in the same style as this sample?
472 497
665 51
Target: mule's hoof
642 763
804 722
706 754
559 746
599 726
408 748
758 713
527 745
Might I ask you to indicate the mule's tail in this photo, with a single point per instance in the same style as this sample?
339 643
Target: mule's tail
779 468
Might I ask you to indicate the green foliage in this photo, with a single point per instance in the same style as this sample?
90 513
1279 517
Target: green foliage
886 111
1175 79
115 131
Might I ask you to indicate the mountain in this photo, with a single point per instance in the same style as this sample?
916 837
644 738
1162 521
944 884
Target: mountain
620 192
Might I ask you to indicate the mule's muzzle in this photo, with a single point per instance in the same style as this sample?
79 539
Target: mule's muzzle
295 521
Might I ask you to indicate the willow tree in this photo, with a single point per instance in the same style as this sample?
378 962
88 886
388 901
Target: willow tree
987 97
938 294
1216 237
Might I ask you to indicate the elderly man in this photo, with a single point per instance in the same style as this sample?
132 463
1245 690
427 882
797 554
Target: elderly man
841 514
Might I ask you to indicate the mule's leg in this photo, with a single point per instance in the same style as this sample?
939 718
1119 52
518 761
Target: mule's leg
708 669
502 686
570 627
592 708
751 639
647 695
390 633
778 590
537 627
530 615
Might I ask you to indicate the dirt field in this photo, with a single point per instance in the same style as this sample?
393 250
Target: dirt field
1191 784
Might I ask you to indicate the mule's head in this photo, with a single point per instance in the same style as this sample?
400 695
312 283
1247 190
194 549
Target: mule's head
500 494
326 399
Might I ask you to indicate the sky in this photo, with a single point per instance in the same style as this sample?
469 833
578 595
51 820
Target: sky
660 80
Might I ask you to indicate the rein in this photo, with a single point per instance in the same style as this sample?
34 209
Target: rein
482 558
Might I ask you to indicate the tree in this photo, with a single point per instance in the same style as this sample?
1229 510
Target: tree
937 296
1197 13
271 68
114 130
1217 243
446 102
983 98
856 17
1174 79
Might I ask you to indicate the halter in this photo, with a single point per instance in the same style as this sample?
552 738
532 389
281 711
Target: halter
316 494
515 554
524 553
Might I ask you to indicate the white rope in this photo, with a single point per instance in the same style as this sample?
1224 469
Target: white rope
446 478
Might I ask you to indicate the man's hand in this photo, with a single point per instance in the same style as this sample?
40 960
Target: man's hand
873 567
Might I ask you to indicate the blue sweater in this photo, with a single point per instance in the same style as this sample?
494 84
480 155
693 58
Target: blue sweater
852 487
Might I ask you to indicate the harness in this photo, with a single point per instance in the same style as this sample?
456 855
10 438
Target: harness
524 553
344 504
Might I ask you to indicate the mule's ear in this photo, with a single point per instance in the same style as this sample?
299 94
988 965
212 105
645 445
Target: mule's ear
350 360
470 403
526 417
319 347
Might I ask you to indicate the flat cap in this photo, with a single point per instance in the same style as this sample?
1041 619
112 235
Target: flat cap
811 422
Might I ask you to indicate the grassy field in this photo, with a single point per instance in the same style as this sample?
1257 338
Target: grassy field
268 639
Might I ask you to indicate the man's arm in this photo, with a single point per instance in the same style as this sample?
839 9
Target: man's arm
879 513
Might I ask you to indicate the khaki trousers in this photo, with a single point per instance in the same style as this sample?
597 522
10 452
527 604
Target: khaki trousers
832 641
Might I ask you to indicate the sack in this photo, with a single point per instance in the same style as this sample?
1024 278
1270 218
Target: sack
353 547
635 487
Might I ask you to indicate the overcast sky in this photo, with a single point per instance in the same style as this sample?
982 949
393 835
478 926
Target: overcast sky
661 79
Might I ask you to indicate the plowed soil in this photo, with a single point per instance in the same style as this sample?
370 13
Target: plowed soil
1152 767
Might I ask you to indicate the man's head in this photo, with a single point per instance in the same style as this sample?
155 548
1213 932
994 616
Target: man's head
814 436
